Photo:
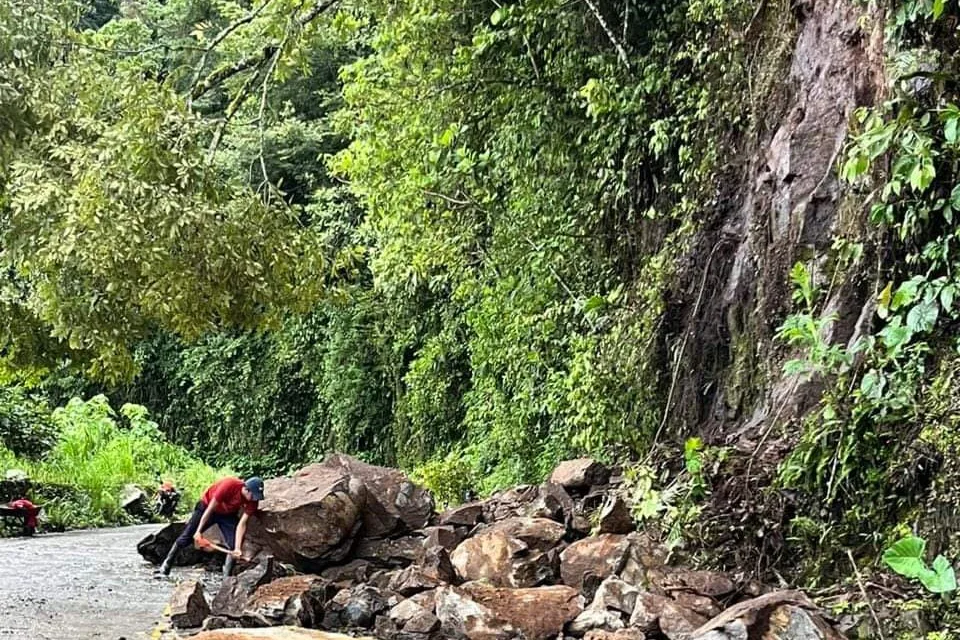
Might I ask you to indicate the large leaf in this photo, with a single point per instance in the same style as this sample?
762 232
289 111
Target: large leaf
923 316
941 579
906 557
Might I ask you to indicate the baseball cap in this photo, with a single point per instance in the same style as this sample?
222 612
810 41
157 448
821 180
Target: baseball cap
255 487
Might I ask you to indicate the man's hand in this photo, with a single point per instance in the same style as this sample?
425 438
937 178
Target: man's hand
197 537
236 553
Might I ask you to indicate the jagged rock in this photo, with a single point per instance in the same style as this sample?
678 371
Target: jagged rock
735 630
349 574
703 605
591 619
677 622
465 515
600 556
645 554
511 503
552 502
752 612
293 601
188 605
789 622
479 612
444 536
394 504
395 552
274 633
133 500
412 618
355 608
435 571
310 518
236 590
512 553
154 547
647 610
706 583
582 473
617 595
615 516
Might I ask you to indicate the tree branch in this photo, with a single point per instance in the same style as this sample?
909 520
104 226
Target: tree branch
606 29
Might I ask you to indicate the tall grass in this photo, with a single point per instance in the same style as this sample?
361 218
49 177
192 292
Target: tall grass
98 453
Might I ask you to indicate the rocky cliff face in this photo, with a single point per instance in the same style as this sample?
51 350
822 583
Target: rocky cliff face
781 203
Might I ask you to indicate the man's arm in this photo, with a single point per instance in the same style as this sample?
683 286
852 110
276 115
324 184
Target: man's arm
204 519
241 530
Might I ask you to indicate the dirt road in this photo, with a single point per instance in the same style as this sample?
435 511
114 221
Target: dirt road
79 586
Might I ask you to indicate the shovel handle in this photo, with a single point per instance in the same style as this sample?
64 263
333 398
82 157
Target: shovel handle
212 546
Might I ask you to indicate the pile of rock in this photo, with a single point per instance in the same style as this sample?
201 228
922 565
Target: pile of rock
345 546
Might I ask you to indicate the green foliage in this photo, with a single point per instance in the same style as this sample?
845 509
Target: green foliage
450 478
97 453
906 557
26 427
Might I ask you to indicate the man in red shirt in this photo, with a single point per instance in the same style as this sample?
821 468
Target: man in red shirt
228 503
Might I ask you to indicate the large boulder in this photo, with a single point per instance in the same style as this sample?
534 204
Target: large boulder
312 518
394 504
580 474
517 552
293 600
275 633
155 547
356 608
599 556
477 611
188 605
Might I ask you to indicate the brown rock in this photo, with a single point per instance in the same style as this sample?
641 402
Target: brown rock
617 595
349 574
413 618
234 592
444 536
600 556
706 583
394 504
308 519
220 622
646 612
188 605
511 503
355 608
154 547
275 633
396 552
552 502
700 604
749 611
512 553
645 555
480 612
615 516
427 600
294 601
679 623
580 474
465 515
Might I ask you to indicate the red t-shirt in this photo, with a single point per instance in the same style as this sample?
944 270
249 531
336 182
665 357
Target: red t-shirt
229 495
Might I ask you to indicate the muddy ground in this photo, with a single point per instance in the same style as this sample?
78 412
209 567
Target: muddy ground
81 585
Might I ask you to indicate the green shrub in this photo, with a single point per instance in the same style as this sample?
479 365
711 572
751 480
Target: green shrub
26 427
97 454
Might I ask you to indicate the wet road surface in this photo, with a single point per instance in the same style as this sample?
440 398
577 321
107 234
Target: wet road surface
80 585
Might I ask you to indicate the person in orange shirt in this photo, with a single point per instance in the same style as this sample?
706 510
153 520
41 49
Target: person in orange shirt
228 503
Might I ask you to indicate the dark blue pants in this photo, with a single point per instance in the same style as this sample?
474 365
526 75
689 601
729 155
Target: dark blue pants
226 522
